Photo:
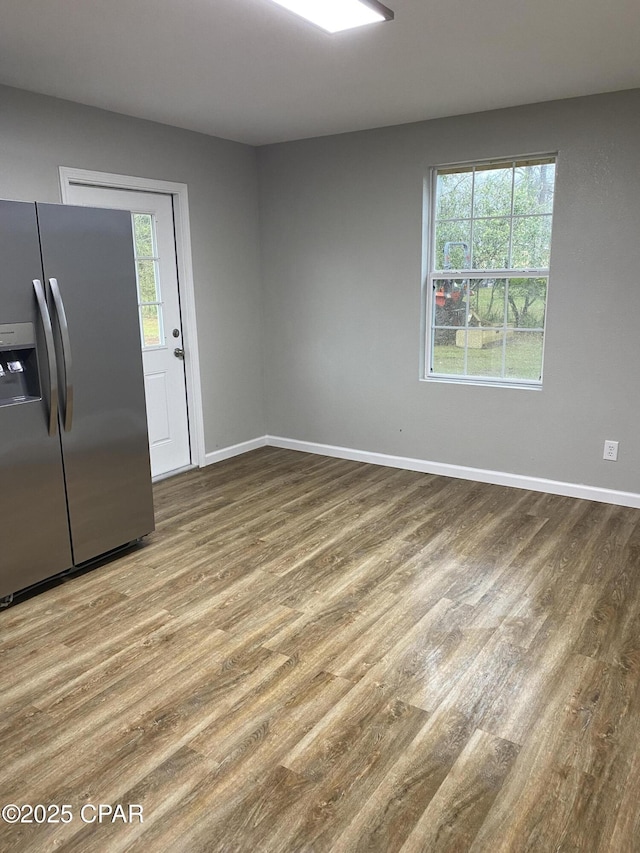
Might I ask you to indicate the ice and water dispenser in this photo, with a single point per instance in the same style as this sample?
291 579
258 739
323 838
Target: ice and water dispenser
18 364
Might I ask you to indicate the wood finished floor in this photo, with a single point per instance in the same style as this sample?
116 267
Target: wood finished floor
313 654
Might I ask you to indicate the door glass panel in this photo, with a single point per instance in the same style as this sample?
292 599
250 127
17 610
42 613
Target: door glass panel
143 233
148 279
152 333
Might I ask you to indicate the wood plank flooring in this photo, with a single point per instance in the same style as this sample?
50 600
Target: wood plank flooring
312 654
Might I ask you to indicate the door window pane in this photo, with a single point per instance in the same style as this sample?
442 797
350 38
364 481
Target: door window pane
151 322
143 235
148 280
148 290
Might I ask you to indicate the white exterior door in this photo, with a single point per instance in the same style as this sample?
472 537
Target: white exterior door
159 314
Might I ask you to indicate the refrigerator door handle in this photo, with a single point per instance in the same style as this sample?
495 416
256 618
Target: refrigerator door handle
51 356
66 352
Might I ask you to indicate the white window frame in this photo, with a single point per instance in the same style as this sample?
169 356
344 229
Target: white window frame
431 275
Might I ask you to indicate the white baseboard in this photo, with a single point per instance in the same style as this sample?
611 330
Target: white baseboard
234 450
500 478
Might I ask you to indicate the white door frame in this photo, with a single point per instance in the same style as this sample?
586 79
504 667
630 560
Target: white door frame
179 193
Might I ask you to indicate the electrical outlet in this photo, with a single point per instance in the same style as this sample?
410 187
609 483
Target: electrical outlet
610 451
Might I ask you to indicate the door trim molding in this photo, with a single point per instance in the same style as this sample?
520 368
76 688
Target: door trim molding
179 193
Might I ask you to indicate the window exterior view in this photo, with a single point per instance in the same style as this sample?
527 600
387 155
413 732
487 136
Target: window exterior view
148 278
488 279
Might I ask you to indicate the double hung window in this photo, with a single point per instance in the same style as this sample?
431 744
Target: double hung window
490 241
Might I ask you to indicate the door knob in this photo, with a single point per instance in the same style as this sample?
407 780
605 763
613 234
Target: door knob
179 352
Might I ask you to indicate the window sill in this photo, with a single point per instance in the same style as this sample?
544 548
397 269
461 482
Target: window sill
485 383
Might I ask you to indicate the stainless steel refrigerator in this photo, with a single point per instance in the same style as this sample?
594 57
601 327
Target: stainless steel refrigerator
74 458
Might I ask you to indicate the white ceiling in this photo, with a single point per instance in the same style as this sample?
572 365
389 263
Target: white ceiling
251 71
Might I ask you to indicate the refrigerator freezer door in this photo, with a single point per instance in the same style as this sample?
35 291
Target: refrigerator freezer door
34 532
106 452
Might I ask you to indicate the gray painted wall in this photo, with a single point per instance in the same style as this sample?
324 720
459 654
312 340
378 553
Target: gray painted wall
341 255
341 221
38 134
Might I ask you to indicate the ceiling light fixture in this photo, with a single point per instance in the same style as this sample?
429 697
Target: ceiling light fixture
337 15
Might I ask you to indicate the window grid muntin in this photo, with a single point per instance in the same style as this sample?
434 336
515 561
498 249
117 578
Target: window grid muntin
505 273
